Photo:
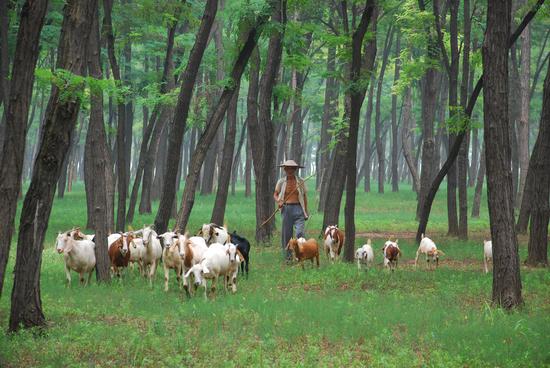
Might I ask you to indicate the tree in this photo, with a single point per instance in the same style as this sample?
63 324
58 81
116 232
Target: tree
380 151
354 100
97 162
394 121
179 122
62 111
539 174
506 274
260 124
17 110
218 212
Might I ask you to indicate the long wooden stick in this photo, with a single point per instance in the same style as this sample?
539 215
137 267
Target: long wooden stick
289 194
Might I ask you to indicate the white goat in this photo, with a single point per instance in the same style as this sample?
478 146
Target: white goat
213 233
137 250
171 259
428 247
79 255
215 264
487 253
192 253
152 254
365 255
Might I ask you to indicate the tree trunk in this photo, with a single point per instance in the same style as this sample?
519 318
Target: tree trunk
539 175
121 158
479 185
248 169
26 305
394 121
330 107
260 125
16 112
506 273
97 163
218 213
213 124
356 97
462 161
179 121
380 152
368 133
407 135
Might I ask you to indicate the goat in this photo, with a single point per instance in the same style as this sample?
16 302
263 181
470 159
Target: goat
152 254
304 249
334 240
119 253
428 247
213 233
391 254
79 255
214 264
192 253
487 253
171 259
364 255
243 246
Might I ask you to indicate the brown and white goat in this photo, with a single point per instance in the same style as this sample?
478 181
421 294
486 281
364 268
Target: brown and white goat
304 250
334 240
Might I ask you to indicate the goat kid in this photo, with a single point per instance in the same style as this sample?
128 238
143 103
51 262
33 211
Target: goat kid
304 250
364 255
334 240
391 254
428 247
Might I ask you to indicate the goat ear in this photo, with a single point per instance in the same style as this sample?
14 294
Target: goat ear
396 241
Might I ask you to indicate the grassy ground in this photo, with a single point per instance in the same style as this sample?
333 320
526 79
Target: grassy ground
282 316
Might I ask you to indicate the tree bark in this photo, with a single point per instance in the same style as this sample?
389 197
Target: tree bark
97 162
179 122
213 124
26 305
506 273
539 175
16 111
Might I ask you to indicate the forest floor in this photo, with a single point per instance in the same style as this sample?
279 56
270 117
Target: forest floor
282 316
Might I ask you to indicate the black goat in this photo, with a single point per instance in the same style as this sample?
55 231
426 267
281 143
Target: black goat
243 246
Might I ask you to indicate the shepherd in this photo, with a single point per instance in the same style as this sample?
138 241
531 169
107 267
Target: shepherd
291 198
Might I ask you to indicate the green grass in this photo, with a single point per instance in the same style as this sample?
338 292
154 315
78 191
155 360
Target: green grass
282 316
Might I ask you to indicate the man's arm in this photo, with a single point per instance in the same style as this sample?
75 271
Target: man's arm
276 196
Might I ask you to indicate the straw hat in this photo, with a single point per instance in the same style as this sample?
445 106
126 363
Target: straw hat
290 163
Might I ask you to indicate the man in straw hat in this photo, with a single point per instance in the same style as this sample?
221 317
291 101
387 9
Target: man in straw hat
291 197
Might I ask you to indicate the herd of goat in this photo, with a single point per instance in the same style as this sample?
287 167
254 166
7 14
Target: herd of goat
213 253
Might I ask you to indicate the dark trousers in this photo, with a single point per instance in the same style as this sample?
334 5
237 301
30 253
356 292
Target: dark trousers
293 219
